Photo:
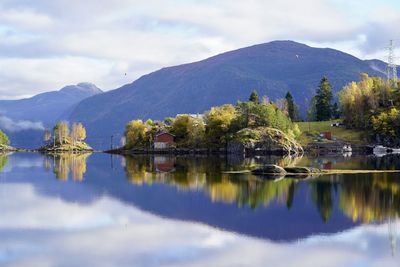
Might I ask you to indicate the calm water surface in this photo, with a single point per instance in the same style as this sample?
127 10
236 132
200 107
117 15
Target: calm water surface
102 210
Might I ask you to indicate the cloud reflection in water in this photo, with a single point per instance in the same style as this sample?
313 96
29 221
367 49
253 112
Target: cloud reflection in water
40 230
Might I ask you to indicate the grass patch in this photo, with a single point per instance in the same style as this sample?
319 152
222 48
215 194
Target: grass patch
311 129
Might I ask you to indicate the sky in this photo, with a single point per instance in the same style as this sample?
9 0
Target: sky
47 44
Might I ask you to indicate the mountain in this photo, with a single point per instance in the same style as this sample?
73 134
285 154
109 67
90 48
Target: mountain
271 68
48 107
23 120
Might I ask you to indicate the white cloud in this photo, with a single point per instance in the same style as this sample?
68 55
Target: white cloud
15 126
100 41
25 19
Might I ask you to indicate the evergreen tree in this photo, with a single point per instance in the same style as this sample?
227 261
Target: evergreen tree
324 100
292 107
254 97
335 111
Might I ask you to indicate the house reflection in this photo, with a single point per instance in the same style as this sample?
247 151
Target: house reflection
164 163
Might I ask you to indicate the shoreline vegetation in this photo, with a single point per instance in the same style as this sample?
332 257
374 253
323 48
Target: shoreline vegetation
62 139
367 113
253 128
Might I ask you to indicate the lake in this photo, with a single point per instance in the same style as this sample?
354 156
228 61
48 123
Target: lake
103 210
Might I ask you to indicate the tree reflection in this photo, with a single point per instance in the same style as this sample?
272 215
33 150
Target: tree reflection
365 198
64 164
203 174
3 160
370 200
322 197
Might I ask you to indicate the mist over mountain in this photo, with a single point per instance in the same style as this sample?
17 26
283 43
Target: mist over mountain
24 120
271 68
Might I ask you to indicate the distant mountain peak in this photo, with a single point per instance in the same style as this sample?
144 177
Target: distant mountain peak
85 87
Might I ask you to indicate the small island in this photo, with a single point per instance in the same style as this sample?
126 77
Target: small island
255 127
5 143
62 139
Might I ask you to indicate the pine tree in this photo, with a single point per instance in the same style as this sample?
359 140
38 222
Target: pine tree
292 107
254 97
335 111
324 100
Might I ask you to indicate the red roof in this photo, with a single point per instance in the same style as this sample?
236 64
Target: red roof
164 137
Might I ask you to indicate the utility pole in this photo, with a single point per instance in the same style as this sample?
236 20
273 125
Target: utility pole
391 66
111 144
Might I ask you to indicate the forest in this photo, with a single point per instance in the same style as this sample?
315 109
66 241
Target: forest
372 105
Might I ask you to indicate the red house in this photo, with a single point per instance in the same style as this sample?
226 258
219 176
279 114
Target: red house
163 140
327 135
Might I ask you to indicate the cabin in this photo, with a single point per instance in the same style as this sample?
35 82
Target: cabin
327 135
163 140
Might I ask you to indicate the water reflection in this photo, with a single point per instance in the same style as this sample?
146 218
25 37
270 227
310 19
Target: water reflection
108 232
179 211
366 197
3 160
65 165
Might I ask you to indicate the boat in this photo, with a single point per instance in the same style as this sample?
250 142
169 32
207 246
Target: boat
380 150
396 150
347 148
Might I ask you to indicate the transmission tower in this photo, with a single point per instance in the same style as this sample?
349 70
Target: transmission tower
391 67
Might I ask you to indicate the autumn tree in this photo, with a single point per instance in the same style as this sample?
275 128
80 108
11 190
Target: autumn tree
4 139
136 134
61 132
189 131
282 105
46 136
218 124
372 104
387 124
78 132
251 115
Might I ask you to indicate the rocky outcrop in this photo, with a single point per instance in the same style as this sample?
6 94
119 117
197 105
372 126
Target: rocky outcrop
269 169
264 140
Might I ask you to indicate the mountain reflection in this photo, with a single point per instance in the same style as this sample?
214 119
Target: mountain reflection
65 165
366 198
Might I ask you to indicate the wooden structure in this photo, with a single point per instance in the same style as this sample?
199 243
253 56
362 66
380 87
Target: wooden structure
163 140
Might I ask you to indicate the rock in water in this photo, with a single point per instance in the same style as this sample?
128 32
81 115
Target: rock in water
300 170
269 169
